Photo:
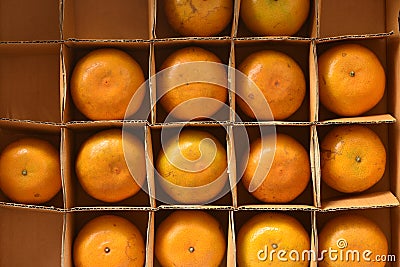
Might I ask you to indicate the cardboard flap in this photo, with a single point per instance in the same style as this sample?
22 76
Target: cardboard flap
373 200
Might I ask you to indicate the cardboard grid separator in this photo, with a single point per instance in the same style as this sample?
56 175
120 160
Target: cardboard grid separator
316 208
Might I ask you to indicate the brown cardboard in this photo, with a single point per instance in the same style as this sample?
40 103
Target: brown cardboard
41 42
30 81
30 236
120 19
351 17
22 20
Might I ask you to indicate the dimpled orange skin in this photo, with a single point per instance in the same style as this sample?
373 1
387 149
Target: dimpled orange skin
274 17
109 240
280 80
359 233
353 158
206 177
352 80
195 90
103 83
30 171
101 166
288 175
190 238
274 231
199 17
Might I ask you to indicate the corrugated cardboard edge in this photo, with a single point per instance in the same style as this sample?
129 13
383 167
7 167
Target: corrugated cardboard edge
363 201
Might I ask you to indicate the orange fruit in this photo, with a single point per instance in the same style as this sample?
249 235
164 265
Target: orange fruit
198 17
103 83
196 97
278 78
101 166
190 238
192 167
288 175
352 80
351 235
267 232
109 240
353 158
30 171
274 17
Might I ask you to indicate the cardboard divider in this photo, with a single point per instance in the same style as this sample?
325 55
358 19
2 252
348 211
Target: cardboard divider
76 197
308 29
74 51
24 20
327 193
338 17
223 218
30 236
305 218
378 45
11 134
297 49
163 49
164 30
74 221
120 19
29 81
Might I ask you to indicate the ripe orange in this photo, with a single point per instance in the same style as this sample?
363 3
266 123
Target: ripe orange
30 171
352 80
101 166
288 175
190 238
109 240
184 101
103 83
274 17
261 239
353 158
351 233
192 167
198 17
279 79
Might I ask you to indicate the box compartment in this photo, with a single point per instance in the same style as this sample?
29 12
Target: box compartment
11 134
74 51
76 197
102 19
30 237
30 81
299 50
24 20
307 30
163 49
164 30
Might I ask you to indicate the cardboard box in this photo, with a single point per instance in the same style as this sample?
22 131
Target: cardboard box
40 43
